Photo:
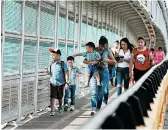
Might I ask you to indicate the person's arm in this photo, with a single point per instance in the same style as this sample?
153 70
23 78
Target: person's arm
85 61
111 60
131 65
78 54
66 73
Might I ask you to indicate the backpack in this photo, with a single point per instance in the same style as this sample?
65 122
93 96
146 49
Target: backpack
135 55
62 66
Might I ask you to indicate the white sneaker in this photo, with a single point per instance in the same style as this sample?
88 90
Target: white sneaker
72 108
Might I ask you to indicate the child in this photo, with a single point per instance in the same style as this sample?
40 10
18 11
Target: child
58 79
91 55
73 71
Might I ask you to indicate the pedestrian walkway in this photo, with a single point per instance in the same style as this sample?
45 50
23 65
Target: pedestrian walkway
69 120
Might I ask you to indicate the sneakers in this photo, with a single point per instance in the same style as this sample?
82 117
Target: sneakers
72 108
66 107
92 113
52 113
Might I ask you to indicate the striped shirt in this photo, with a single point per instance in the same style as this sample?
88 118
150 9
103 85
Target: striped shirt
72 74
57 76
91 56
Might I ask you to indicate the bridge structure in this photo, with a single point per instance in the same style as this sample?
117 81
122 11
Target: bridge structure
30 28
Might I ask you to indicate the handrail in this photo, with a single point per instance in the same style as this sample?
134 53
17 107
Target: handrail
110 109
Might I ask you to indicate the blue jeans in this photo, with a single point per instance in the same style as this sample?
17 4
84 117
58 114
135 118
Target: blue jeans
99 93
72 90
122 74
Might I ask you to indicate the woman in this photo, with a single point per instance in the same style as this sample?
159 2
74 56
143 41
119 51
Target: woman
122 72
99 93
141 59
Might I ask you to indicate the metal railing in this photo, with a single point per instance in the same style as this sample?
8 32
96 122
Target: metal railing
128 110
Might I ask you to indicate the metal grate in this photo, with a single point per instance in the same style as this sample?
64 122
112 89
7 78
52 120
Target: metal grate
70 29
61 27
29 57
30 19
11 56
47 22
70 50
13 16
83 31
61 46
44 55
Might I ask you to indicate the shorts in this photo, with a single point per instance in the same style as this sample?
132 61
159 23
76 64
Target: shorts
139 73
56 92
112 72
92 69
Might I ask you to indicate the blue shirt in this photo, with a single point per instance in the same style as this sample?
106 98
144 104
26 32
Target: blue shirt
57 75
72 75
91 56
105 55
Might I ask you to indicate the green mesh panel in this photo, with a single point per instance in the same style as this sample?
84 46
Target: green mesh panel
94 34
44 55
76 31
13 16
30 19
99 33
70 29
11 56
89 33
70 50
46 23
29 57
83 34
61 27
103 32
61 46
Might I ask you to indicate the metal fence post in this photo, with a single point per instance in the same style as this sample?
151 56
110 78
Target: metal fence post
74 27
18 121
37 60
66 29
56 24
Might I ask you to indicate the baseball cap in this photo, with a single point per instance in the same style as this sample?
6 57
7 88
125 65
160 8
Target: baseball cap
55 51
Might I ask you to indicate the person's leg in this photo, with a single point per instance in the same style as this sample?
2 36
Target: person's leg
110 77
89 75
73 90
93 85
67 92
119 80
105 85
66 97
60 98
53 95
97 78
126 78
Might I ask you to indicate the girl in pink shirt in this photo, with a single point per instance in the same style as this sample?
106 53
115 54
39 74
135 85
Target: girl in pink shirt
158 55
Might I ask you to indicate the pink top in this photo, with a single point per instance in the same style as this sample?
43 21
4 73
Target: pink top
158 56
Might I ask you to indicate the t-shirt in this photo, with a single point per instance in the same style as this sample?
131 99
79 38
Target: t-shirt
91 56
141 60
127 56
57 75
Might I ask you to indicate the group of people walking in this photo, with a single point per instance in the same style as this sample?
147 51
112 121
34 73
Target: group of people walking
118 64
